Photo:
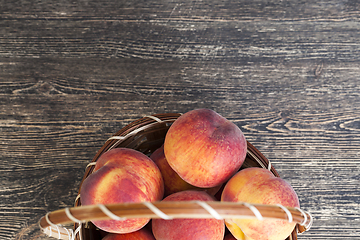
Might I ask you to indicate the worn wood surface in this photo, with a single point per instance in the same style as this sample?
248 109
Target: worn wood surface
73 73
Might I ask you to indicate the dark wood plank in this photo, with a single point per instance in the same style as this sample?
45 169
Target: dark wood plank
254 31
71 75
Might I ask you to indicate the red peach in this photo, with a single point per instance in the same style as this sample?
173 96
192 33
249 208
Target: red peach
172 181
204 148
194 229
122 175
142 234
259 186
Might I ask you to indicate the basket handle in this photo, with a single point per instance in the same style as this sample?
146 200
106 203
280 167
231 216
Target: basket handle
51 223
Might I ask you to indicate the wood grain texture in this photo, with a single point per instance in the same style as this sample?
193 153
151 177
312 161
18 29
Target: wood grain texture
72 74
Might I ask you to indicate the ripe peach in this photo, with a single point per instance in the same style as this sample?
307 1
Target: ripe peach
194 229
259 186
142 234
204 148
172 181
122 175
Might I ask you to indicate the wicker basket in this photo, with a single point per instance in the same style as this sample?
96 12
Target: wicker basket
146 135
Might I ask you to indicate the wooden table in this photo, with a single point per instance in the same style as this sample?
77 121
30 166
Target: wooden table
286 72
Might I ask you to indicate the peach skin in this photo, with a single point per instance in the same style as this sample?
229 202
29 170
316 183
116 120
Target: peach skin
184 229
122 175
259 186
142 234
172 181
204 148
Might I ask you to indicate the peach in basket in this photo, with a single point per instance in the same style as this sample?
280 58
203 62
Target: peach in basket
122 175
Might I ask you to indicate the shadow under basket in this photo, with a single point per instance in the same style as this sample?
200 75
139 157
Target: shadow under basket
146 135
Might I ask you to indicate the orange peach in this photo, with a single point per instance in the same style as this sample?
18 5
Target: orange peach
194 229
172 181
142 234
259 186
204 148
122 175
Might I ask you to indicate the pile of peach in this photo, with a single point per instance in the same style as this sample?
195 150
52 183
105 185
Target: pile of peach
199 160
